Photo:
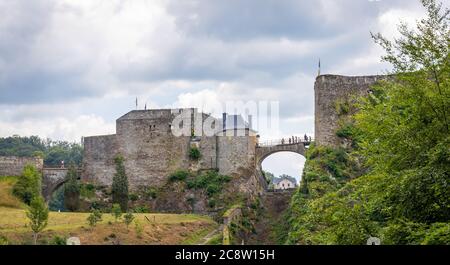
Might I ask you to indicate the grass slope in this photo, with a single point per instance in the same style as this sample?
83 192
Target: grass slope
7 199
156 228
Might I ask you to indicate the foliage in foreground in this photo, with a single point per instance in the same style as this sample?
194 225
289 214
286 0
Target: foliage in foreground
120 185
38 216
392 181
28 185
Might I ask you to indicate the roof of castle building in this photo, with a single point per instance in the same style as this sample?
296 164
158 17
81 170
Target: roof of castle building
284 177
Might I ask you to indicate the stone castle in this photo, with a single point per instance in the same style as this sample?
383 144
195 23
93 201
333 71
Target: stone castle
151 151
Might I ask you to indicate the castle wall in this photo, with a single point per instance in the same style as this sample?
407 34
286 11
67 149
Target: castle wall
150 149
98 159
152 152
235 152
13 165
328 90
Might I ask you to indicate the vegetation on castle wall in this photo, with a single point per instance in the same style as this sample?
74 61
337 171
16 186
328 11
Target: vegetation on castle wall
194 153
392 180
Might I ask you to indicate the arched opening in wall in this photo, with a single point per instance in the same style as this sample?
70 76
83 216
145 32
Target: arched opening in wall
283 170
56 202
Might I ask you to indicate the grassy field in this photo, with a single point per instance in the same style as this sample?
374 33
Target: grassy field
156 228
7 199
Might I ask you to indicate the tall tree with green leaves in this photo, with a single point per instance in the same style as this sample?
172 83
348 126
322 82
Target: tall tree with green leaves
72 190
402 138
29 184
38 215
120 184
405 121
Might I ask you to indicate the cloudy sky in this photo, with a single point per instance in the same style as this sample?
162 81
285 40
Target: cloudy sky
70 68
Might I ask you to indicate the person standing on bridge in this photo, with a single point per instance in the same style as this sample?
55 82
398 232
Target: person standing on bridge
306 138
289 140
282 140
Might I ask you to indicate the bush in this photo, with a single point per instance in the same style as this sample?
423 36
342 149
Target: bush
179 175
87 190
3 241
194 153
94 218
141 209
57 240
211 181
28 185
211 203
133 197
116 211
138 228
151 193
128 218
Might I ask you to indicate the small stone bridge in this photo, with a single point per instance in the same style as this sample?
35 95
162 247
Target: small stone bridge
266 149
52 179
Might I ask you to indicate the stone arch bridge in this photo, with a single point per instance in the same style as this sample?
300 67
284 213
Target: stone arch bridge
52 179
265 149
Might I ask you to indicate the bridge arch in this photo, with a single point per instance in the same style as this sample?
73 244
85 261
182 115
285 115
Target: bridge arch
263 151
267 149
52 179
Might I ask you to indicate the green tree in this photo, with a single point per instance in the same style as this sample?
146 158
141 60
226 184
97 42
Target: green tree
116 211
94 218
120 185
405 121
128 218
72 190
29 184
38 215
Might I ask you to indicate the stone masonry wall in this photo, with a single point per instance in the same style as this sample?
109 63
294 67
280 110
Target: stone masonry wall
13 165
152 152
328 90
98 159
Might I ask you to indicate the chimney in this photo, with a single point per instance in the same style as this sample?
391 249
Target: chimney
249 119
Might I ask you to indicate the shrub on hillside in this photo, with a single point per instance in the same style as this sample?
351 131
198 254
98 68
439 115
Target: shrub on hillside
28 185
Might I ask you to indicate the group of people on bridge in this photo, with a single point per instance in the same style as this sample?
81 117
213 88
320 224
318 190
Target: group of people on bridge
295 139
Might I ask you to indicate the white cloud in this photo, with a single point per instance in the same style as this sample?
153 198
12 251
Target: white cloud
61 128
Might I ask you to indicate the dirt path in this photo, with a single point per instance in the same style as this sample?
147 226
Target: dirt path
212 234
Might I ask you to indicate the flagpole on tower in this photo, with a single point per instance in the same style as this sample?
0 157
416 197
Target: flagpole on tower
318 73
